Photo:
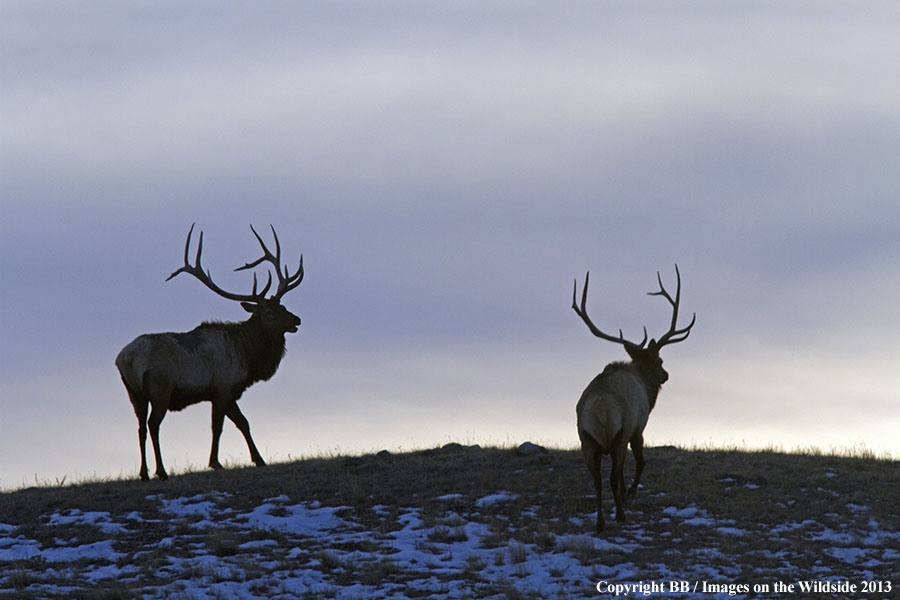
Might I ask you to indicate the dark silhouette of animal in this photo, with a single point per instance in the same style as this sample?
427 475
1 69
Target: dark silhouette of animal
215 362
614 408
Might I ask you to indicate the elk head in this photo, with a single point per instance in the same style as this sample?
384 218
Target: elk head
646 359
272 316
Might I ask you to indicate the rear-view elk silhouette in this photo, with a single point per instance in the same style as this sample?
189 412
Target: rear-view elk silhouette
215 362
614 408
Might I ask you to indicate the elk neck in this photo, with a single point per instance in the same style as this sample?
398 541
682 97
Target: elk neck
651 384
261 350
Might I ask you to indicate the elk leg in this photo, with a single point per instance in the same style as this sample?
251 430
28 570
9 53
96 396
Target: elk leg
617 479
240 421
593 457
157 414
142 440
637 447
140 411
218 419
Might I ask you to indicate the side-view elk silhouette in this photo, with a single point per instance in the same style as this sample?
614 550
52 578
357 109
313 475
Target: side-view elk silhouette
614 408
215 362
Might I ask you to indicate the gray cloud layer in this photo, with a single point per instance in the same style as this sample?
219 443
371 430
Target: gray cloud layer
446 171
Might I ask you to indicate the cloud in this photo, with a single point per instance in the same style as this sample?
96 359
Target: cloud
447 170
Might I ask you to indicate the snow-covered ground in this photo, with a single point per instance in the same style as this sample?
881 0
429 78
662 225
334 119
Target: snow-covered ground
200 548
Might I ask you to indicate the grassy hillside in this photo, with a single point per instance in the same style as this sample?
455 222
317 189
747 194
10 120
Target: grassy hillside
458 522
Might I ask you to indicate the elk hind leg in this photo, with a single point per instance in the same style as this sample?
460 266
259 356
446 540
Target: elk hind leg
617 478
141 407
240 421
593 455
637 448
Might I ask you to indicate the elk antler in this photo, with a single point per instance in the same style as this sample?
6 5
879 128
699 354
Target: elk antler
285 284
286 281
672 336
582 312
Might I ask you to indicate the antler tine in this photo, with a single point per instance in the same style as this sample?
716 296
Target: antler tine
277 245
289 282
286 281
187 247
582 312
672 335
265 289
196 267
267 255
662 292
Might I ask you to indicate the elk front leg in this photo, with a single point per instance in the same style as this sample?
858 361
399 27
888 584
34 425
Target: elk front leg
218 419
240 421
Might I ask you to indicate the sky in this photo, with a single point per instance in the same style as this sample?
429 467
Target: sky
447 170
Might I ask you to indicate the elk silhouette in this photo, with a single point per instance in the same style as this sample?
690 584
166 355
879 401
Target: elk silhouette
215 362
614 408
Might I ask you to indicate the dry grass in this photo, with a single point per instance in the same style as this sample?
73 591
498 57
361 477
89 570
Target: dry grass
747 486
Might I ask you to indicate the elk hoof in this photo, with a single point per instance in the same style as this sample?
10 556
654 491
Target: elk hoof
162 476
145 476
259 462
216 465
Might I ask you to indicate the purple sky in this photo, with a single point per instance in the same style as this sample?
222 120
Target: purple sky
447 169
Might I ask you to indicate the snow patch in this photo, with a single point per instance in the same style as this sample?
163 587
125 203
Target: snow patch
492 499
302 519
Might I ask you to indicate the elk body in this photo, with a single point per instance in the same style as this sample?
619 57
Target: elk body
215 362
613 410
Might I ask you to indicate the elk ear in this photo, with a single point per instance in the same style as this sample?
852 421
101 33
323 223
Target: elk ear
633 350
250 307
653 346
